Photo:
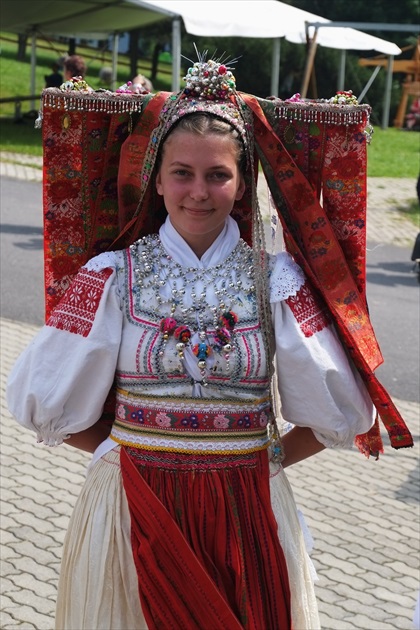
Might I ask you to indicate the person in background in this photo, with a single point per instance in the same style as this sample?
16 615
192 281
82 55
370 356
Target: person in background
74 66
55 79
140 83
105 75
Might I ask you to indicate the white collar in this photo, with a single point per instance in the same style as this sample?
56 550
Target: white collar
182 253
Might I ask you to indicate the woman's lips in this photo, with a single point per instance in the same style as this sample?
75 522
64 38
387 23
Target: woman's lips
198 210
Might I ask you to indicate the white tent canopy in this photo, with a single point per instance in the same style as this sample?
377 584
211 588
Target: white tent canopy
228 18
264 18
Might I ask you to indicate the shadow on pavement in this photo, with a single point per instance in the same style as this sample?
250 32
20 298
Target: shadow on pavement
9 228
25 230
408 492
409 279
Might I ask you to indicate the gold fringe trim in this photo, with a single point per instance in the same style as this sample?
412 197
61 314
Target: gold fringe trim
171 449
101 101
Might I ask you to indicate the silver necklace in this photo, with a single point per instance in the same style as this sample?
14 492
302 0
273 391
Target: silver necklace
190 299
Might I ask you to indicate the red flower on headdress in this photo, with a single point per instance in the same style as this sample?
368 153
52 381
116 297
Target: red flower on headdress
64 189
347 167
332 272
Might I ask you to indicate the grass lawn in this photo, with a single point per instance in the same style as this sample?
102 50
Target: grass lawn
20 137
15 75
394 153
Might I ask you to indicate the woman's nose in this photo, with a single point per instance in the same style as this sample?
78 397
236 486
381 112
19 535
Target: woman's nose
198 190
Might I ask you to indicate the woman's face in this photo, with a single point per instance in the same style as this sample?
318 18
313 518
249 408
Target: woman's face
200 181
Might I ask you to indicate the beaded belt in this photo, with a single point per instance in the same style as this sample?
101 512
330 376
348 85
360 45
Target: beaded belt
195 426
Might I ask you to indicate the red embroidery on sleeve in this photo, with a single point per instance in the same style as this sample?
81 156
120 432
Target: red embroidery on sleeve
77 309
308 312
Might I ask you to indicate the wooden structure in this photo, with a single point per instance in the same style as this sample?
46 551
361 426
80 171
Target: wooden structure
411 83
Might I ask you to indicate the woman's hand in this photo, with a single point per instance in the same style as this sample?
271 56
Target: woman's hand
298 444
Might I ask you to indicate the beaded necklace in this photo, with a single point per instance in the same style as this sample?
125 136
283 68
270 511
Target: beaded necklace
192 299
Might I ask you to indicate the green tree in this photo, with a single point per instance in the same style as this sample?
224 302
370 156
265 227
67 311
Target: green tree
377 11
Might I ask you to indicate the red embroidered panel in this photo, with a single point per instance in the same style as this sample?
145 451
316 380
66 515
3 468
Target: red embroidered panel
307 311
77 309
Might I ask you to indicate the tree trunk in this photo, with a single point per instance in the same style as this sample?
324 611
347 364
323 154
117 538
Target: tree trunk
134 51
155 60
22 41
72 46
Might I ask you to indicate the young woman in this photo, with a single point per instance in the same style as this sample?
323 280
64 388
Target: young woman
186 519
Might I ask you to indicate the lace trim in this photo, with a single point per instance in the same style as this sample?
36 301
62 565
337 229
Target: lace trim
244 445
286 278
102 261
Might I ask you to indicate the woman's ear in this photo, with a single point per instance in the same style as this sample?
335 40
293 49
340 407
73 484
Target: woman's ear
159 184
241 189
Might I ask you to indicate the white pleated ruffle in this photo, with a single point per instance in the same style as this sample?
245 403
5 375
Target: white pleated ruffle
98 587
299 565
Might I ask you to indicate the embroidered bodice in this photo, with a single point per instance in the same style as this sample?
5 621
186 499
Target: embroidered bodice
155 288
109 324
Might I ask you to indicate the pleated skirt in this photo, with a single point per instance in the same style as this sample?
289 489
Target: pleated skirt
99 581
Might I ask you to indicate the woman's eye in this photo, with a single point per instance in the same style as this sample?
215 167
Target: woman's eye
181 172
219 175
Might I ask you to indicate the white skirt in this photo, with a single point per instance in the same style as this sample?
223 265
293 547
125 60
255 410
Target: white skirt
98 588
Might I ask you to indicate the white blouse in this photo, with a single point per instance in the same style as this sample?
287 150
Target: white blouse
59 384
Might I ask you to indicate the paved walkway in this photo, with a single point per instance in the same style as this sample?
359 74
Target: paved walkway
363 515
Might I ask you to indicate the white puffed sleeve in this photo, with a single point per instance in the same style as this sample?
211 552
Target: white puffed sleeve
60 382
319 386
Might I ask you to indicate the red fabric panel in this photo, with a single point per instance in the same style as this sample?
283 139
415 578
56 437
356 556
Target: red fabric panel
81 157
198 556
322 258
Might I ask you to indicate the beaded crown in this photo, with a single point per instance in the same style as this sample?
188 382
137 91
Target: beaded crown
210 87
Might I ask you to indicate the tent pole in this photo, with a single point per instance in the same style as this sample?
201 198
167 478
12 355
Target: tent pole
115 44
176 53
275 67
33 66
368 84
309 63
388 88
342 71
